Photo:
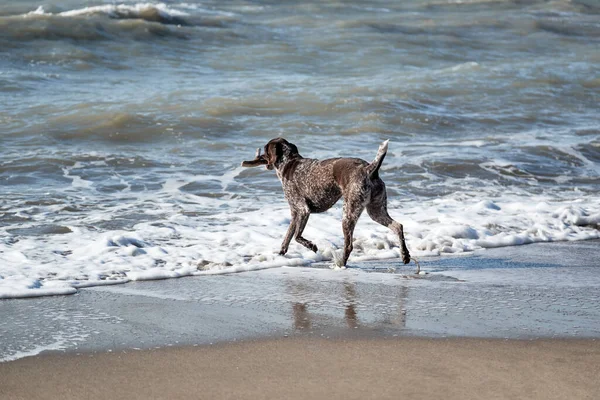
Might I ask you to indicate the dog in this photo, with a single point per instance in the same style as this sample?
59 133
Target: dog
314 186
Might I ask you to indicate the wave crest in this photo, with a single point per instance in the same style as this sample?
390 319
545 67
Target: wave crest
158 12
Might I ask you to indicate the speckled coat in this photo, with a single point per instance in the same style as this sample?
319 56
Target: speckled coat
314 186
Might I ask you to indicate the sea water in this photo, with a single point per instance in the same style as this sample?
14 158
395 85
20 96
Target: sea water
123 126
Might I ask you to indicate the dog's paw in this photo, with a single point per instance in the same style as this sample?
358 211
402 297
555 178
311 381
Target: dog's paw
314 248
405 258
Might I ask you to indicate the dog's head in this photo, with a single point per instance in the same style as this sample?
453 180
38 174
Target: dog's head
277 152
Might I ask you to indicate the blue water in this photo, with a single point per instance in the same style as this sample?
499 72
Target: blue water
124 124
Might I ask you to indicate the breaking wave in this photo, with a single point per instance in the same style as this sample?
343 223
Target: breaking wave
147 11
104 22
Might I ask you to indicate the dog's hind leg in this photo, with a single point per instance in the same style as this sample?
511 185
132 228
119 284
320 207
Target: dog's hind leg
377 210
353 207
302 220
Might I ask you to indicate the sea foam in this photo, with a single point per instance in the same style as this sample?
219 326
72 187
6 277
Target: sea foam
121 11
239 235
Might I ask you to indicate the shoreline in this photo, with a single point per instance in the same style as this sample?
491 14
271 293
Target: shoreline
299 368
496 324
531 292
359 263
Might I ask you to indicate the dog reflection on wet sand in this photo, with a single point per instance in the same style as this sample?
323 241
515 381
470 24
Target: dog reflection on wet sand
303 318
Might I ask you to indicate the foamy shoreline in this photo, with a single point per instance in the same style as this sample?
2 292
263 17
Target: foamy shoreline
166 244
545 290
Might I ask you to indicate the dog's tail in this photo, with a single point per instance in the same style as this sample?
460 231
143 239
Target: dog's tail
373 168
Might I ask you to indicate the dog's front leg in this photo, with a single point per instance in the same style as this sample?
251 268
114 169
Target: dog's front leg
290 233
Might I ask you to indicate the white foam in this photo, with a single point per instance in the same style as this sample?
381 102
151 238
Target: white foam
234 239
61 344
187 234
462 67
118 11
77 181
38 11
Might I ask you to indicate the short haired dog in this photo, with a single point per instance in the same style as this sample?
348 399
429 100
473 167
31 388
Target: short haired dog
314 186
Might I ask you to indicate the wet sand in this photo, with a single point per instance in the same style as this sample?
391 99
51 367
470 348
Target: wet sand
303 368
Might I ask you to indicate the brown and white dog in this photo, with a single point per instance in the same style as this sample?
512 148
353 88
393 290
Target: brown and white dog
314 186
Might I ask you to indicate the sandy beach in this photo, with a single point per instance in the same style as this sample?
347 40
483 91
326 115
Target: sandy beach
409 368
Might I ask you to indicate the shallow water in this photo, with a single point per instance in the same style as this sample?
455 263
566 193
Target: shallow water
538 291
124 124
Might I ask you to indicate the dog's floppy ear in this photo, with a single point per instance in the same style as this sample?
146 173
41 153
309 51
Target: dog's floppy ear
273 151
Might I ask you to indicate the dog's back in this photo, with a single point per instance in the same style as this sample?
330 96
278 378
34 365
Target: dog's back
321 183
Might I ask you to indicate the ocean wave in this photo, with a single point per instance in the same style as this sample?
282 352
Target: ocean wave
152 12
105 22
130 126
109 126
18 30
566 27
